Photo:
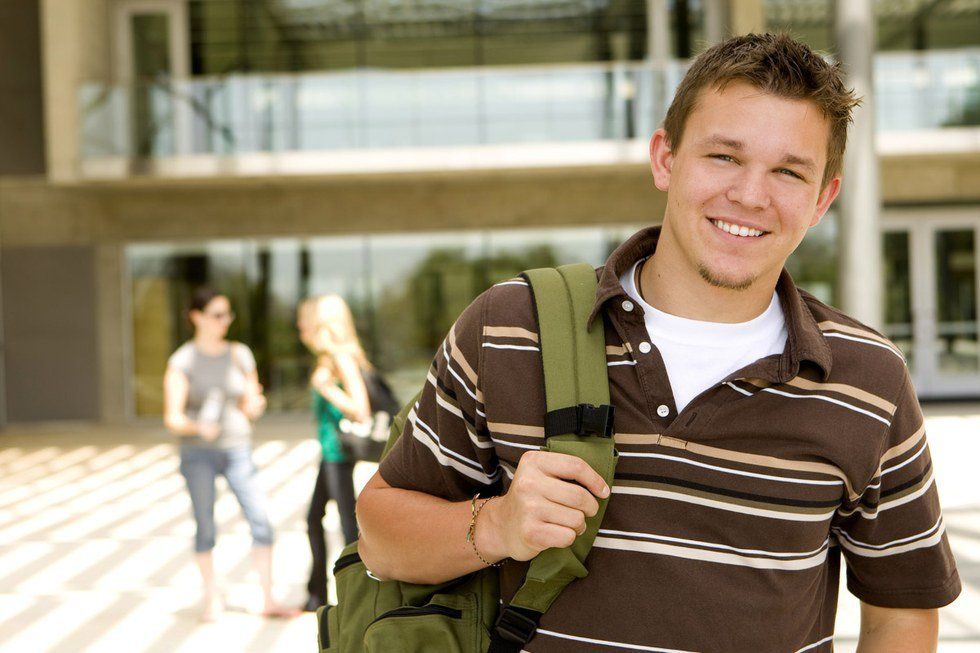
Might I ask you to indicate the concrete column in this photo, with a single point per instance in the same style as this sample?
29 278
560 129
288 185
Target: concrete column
746 16
716 21
75 48
115 348
859 274
658 31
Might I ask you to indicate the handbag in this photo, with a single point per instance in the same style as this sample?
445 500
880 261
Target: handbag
365 441
465 615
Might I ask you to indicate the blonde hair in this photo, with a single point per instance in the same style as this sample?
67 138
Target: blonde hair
330 328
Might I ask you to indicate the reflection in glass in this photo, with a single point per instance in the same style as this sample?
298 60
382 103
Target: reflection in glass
405 291
898 291
956 301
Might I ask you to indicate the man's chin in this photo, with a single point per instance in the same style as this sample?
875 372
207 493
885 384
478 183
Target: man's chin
726 281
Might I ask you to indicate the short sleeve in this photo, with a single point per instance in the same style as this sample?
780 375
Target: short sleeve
445 449
894 538
243 357
183 359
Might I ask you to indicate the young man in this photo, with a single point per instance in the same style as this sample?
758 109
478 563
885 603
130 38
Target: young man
762 434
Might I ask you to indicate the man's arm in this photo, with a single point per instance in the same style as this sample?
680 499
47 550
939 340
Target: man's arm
896 630
416 537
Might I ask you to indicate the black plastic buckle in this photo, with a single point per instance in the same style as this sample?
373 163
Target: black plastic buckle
515 627
595 420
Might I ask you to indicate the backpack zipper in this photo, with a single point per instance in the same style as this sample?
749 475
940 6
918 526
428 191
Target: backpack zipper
411 611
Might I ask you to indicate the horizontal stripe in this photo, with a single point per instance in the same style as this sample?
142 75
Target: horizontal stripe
830 325
703 555
623 478
712 545
894 503
757 460
506 443
924 543
865 341
606 642
814 645
839 388
441 454
511 283
831 400
615 363
445 402
457 356
728 470
491 345
510 332
722 505
612 350
907 461
909 443
886 545
517 429
456 375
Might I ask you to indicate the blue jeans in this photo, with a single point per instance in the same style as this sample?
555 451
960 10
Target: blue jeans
200 466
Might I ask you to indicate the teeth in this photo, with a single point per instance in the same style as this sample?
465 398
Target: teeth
735 230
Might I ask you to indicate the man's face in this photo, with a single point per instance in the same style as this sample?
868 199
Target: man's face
744 185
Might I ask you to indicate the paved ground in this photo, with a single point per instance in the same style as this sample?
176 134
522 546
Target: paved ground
95 531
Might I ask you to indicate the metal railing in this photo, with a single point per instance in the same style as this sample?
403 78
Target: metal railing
257 113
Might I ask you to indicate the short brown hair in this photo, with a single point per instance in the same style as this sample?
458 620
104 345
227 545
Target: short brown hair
777 64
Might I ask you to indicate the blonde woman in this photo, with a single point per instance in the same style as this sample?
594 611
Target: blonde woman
326 327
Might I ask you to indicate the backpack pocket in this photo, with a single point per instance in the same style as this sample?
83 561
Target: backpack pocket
449 623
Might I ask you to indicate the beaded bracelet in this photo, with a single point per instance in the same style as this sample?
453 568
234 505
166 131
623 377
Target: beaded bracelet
471 532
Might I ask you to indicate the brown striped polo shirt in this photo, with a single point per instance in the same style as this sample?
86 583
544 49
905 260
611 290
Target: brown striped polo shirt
727 523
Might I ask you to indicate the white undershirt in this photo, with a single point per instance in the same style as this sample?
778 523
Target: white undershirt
700 354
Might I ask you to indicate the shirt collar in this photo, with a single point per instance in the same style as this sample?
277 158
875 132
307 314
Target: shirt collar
804 342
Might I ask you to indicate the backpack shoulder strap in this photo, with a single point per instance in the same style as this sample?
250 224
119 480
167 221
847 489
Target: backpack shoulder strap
579 422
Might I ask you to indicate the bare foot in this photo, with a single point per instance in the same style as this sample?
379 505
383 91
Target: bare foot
276 611
212 610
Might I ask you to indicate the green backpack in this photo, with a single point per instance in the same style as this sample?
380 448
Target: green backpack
465 615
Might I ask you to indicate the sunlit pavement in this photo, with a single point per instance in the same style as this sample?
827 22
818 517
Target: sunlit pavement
95 537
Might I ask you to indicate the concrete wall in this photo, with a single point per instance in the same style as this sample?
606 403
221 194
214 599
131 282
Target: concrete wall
21 109
51 367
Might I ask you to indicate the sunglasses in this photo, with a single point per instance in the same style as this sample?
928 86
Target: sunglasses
223 315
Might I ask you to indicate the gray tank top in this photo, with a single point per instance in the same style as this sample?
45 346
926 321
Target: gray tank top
217 383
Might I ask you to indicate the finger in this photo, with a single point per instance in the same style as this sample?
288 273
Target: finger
573 468
568 494
564 516
547 536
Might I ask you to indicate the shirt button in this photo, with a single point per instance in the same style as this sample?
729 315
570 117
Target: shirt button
645 347
663 410
627 306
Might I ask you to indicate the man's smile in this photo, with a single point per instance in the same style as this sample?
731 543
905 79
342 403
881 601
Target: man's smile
740 231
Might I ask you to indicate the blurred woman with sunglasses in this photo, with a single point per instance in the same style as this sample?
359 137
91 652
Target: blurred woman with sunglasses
211 397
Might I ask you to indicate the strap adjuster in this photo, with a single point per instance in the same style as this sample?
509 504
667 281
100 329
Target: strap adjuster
583 419
517 626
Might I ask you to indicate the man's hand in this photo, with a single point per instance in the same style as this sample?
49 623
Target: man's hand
896 630
546 506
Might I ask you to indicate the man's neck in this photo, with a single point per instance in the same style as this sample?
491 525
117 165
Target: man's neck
670 284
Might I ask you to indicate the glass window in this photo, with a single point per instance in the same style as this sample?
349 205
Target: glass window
898 292
956 301
405 291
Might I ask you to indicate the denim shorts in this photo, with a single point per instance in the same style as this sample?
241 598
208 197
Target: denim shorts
200 466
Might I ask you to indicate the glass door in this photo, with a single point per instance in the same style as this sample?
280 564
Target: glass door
931 292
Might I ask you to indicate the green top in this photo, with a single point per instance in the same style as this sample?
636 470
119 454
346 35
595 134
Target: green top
328 419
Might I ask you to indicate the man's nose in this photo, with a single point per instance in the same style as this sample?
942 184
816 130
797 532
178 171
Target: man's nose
749 189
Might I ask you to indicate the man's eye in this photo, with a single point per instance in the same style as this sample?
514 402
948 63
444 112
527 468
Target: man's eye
722 157
787 171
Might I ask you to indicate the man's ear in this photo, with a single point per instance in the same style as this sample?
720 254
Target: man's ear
661 159
826 198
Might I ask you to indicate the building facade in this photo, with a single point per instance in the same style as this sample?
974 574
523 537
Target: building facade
407 155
